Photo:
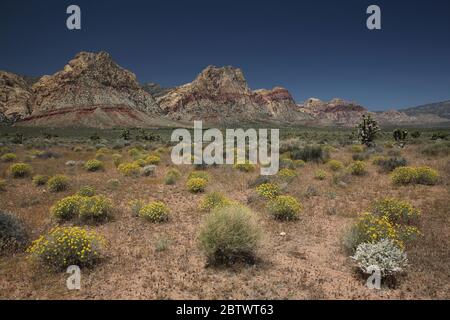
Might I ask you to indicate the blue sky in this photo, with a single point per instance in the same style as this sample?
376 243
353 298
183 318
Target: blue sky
318 48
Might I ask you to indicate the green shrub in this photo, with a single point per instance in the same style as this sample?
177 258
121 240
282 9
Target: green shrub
268 190
357 168
335 165
129 169
320 174
20 170
95 208
196 185
389 164
94 165
8 157
310 153
284 208
66 246
13 235
214 200
40 180
230 234
58 183
156 212
86 191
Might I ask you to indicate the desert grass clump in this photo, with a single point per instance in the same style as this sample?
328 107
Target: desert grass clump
13 234
8 157
335 165
284 208
357 168
172 176
113 183
153 159
268 190
155 212
86 191
94 165
39 180
214 200
385 254
411 175
320 174
66 246
58 183
129 169
135 206
196 185
230 234
20 170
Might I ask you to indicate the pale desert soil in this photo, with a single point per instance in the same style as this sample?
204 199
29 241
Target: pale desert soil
307 263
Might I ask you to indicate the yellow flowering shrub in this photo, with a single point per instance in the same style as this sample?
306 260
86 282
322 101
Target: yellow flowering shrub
66 246
268 190
287 174
67 208
335 165
196 185
378 160
284 208
320 174
396 211
199 174
8 157
411 175
134 153
117 159
299 163
244 166
356 148
214 200
140 162
371 228
153 159
20 170
357 168
94 165
95 208
129 169
155 212
58 183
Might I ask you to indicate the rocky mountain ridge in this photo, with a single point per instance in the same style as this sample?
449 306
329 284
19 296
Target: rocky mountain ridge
94 91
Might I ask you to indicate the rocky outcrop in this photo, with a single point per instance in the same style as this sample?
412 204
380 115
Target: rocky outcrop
221 95
16 97
335 112
93 91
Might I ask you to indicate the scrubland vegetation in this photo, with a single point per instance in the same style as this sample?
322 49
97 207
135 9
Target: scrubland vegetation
141 227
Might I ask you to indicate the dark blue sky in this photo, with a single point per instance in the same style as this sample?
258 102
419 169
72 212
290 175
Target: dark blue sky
318 48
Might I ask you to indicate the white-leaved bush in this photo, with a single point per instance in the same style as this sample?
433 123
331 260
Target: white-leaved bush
385 255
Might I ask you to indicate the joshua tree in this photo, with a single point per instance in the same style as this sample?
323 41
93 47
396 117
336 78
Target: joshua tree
400 137
367 130
125 134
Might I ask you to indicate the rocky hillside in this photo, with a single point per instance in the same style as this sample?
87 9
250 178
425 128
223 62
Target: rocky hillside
16 97
439 109
221 95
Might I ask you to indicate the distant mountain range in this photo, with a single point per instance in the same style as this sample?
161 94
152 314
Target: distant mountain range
94 91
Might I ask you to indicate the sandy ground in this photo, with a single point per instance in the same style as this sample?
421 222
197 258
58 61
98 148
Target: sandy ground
307 263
